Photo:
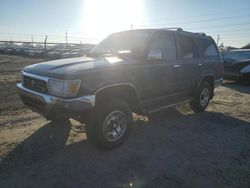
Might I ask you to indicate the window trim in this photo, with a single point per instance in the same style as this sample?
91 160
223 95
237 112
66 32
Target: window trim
198 42
152 40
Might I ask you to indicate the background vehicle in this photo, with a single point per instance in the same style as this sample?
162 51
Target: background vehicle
142 71
237 65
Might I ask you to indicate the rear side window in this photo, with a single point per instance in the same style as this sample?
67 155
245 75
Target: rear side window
165 44
187 49
207 48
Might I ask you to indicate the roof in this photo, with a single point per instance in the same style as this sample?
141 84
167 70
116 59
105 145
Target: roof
178 30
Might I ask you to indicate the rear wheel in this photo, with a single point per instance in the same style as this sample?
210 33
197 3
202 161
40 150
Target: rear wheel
200 103
109 125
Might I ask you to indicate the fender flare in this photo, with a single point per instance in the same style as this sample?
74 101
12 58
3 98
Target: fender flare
134 100
115 85
200 81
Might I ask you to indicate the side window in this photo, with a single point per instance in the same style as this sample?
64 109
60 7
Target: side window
187 49
208 48
163 48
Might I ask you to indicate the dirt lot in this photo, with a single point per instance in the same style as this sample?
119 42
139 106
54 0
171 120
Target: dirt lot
174 148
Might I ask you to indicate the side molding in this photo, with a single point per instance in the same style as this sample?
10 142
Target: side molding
114 85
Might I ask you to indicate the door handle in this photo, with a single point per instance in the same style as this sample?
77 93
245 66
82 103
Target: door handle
199 64
176 66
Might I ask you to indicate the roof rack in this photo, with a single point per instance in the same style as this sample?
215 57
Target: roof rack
174 28
180 29
200 33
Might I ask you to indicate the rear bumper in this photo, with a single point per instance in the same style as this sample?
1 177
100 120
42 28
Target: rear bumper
218 82
51 106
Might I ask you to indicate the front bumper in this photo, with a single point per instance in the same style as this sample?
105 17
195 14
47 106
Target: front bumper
51 106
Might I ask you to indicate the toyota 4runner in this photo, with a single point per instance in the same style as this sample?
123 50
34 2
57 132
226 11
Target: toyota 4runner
141 71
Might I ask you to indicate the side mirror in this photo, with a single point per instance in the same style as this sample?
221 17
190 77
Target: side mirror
155 54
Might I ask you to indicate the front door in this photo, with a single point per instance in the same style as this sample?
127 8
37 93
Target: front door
161 73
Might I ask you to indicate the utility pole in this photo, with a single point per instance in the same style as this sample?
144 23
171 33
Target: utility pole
32 42
45 41
66 38
218 39
131 26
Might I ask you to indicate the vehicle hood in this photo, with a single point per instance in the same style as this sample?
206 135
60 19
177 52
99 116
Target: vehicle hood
65 68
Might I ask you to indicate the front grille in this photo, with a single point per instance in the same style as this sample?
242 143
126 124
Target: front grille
35 84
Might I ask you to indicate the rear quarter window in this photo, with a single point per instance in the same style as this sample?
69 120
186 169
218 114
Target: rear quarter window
207 48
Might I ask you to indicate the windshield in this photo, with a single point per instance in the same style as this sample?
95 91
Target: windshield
236 55
131 43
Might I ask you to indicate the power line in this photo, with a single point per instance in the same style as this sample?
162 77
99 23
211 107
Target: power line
221 25
235 30
204 15
233 11
190 28
192 22
164 21
193 27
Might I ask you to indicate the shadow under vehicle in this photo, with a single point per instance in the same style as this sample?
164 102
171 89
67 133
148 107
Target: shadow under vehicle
170 150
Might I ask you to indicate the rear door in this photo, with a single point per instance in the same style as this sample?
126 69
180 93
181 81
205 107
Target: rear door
191 63
211 59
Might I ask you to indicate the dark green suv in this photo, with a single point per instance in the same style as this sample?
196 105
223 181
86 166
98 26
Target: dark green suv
141 71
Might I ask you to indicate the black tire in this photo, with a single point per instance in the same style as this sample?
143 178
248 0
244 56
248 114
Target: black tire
197 104
96 123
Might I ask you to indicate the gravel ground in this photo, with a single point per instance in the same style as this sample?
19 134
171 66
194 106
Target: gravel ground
173 148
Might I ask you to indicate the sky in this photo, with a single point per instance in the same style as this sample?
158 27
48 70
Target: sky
92 20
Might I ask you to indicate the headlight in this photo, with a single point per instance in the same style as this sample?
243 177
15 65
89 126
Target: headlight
64 88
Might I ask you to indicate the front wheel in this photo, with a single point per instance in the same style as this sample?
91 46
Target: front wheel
200 102
109 125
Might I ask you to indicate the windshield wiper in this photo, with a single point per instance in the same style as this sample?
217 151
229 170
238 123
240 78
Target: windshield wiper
111 53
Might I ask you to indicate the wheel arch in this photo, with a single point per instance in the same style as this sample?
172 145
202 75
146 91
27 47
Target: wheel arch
123 91
210 79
